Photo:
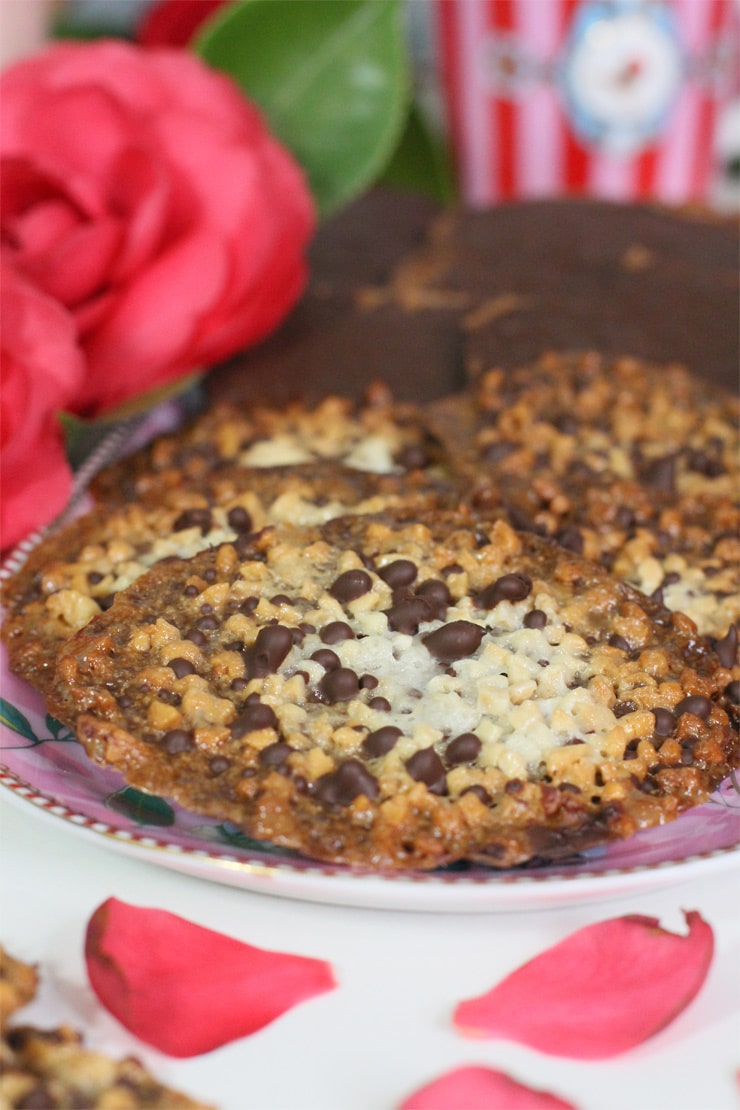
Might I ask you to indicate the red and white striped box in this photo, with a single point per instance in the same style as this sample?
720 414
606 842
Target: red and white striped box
611 98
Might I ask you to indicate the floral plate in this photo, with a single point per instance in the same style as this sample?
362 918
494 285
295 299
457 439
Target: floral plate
43 765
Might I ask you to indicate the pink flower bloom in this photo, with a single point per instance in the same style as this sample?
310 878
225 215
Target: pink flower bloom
601 991
42 368
144 192
185 989
478 1088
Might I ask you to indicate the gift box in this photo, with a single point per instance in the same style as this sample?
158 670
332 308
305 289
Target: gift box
613 98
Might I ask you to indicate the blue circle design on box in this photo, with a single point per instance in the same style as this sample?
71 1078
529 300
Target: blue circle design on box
621 73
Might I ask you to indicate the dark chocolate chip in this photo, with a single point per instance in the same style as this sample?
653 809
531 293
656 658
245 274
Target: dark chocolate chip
697 704
218 765
281 599
349 781
426 766
379 703
726 648
351 585
495 452
339 685
571 539
327 659
732 691
465 748
617 641
196 637
271 646
177 740
207 623
535 618
336 631
480 792
193 518
406 615
181 667
401 572
368 682
239 519
665 722
191 591
252 718
94 577
509 587
661 473
274 755
380 742
437 595
456 640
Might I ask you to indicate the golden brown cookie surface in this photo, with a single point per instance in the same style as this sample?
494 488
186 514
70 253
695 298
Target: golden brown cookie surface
394 694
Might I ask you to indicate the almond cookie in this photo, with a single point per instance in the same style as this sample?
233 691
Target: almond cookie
52 1068
630 463
393 694
75 574
377 436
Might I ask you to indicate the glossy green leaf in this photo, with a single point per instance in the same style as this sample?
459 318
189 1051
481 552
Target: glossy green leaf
331 77
421 161
13 719
145 809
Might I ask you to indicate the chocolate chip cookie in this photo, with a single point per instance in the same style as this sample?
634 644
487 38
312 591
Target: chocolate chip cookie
630 463
52 1068
394 694
75 574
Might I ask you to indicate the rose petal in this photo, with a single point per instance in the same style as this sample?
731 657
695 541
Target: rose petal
601 991
185 989
477 1088
174 22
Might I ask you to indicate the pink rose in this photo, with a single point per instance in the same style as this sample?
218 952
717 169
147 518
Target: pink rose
42 368
142 190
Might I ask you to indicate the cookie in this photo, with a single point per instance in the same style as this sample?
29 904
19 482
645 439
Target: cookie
378 436
563 274
633 464
395 694
75 574
52 1068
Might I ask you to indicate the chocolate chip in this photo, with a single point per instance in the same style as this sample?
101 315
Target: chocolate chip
382 704
335 632
480 792
252 718
181 667
426 766
274 755
696 704
196 637
465 748
207 624
665 722
327 659
368 682
456 640
535 618
495 452
732 691
726 648
571 539
661 473
509 587
239 519
617 641
406 615
191 591
177 740
350 585
380 742
412 457
94 577
437 595
401 572
193 518
218 765
271 645
339 685
281 599
349 781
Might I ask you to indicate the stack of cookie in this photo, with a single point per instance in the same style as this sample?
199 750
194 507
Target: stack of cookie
500 625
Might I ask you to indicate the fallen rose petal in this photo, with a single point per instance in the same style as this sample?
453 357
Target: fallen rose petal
477 1088
601 991
185 989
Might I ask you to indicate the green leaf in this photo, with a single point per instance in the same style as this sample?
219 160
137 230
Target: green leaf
145 809
331 77
15 720
422 161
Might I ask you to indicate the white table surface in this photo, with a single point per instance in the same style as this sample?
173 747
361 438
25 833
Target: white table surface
386 1030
